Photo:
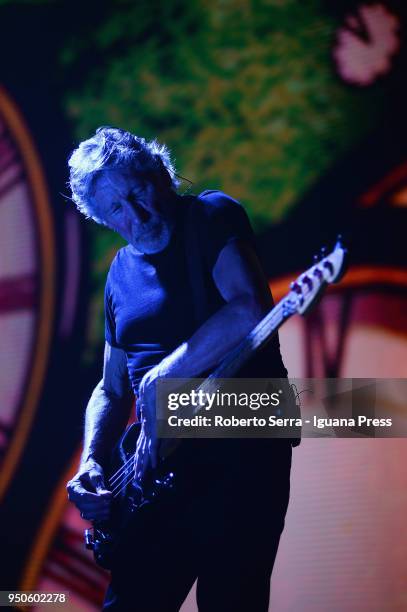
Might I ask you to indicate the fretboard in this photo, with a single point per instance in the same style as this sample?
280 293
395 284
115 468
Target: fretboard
256 339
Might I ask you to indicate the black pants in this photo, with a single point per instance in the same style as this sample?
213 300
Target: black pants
223 528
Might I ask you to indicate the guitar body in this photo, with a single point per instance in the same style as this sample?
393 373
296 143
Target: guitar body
130 502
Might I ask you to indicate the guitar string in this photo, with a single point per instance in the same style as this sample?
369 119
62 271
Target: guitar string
117 475
120 472
128 475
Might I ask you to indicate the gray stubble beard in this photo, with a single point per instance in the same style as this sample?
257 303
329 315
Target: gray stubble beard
156 238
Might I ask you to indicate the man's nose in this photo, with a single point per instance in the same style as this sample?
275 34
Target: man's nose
133 208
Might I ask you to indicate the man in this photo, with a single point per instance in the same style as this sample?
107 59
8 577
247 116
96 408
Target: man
226 529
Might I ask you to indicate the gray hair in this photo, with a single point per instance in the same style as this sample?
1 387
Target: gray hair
114 148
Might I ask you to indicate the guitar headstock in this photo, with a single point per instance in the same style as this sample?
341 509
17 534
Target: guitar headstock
308 287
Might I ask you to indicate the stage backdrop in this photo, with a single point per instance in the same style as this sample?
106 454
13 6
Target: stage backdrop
297 110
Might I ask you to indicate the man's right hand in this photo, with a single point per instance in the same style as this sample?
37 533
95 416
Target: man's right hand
88 492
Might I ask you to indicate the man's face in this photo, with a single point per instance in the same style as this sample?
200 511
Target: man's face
135 208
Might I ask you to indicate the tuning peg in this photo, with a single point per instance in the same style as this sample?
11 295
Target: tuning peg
316 259
305 279
323 252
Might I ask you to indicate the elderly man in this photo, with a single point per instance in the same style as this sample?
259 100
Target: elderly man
226 528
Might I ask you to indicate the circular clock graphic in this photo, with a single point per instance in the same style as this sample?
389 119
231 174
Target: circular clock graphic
366 43
27 257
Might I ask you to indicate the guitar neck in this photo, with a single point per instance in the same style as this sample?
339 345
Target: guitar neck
257 338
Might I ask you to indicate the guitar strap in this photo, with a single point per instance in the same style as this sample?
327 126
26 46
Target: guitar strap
195 260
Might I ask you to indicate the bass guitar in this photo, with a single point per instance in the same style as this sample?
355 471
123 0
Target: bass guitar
131 498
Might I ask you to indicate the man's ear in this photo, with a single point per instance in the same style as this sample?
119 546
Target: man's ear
162 177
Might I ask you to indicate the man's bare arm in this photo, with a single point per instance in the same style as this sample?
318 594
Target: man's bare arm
241 282
109 407
107 414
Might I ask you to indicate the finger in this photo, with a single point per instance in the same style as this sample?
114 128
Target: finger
97 481
142 459
138 453
152 451
138 409
77 492
140 441
85 500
